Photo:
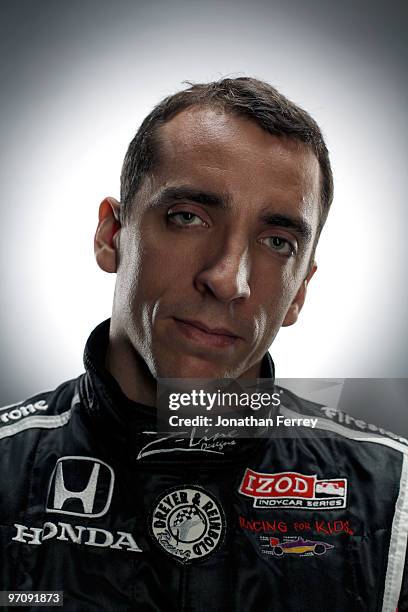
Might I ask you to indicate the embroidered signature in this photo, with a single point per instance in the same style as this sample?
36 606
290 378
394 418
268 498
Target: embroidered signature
215 443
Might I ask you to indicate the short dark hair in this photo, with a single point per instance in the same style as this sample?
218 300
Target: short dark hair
241 96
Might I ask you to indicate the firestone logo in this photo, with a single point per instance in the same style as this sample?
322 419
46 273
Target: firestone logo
17 413
293 490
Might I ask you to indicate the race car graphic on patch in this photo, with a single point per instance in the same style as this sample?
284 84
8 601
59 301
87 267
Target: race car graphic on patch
292 490
188 523
293 546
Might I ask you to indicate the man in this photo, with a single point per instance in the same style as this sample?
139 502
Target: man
225 190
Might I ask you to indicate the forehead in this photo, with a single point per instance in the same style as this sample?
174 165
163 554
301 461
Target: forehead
209 147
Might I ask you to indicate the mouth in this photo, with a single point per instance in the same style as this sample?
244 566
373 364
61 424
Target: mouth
201 333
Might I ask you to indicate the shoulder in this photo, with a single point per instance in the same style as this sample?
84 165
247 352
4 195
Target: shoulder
47 410
337 423
30 429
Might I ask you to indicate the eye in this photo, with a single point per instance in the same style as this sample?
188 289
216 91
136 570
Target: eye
279 244
185 218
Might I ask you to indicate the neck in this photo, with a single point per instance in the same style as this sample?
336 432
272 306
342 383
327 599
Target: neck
133 375
130 371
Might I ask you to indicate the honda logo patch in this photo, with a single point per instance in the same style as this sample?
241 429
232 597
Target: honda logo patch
81 486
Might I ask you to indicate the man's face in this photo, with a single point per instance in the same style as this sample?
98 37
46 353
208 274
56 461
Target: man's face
213 259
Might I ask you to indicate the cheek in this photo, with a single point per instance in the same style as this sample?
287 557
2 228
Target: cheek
288 286
274 295
151 268
272 286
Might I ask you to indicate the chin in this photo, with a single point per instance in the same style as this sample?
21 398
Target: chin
193 368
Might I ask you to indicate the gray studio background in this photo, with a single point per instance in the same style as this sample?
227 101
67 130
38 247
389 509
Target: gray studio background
77 78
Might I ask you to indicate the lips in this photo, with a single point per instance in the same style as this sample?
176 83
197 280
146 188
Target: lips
203 335
218 331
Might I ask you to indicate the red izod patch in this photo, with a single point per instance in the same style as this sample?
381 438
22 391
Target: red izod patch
293 490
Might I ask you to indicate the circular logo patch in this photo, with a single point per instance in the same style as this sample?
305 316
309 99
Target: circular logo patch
188 523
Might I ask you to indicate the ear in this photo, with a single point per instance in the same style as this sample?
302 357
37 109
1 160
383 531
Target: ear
296 306
105 241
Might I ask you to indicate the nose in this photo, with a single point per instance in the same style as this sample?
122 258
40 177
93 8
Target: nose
226 274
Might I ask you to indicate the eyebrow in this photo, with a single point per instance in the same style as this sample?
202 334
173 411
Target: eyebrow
223 201
207 198
301 227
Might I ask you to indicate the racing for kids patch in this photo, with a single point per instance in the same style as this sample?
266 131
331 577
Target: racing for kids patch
296 547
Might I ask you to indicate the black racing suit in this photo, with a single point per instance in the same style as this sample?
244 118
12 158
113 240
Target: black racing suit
96 505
